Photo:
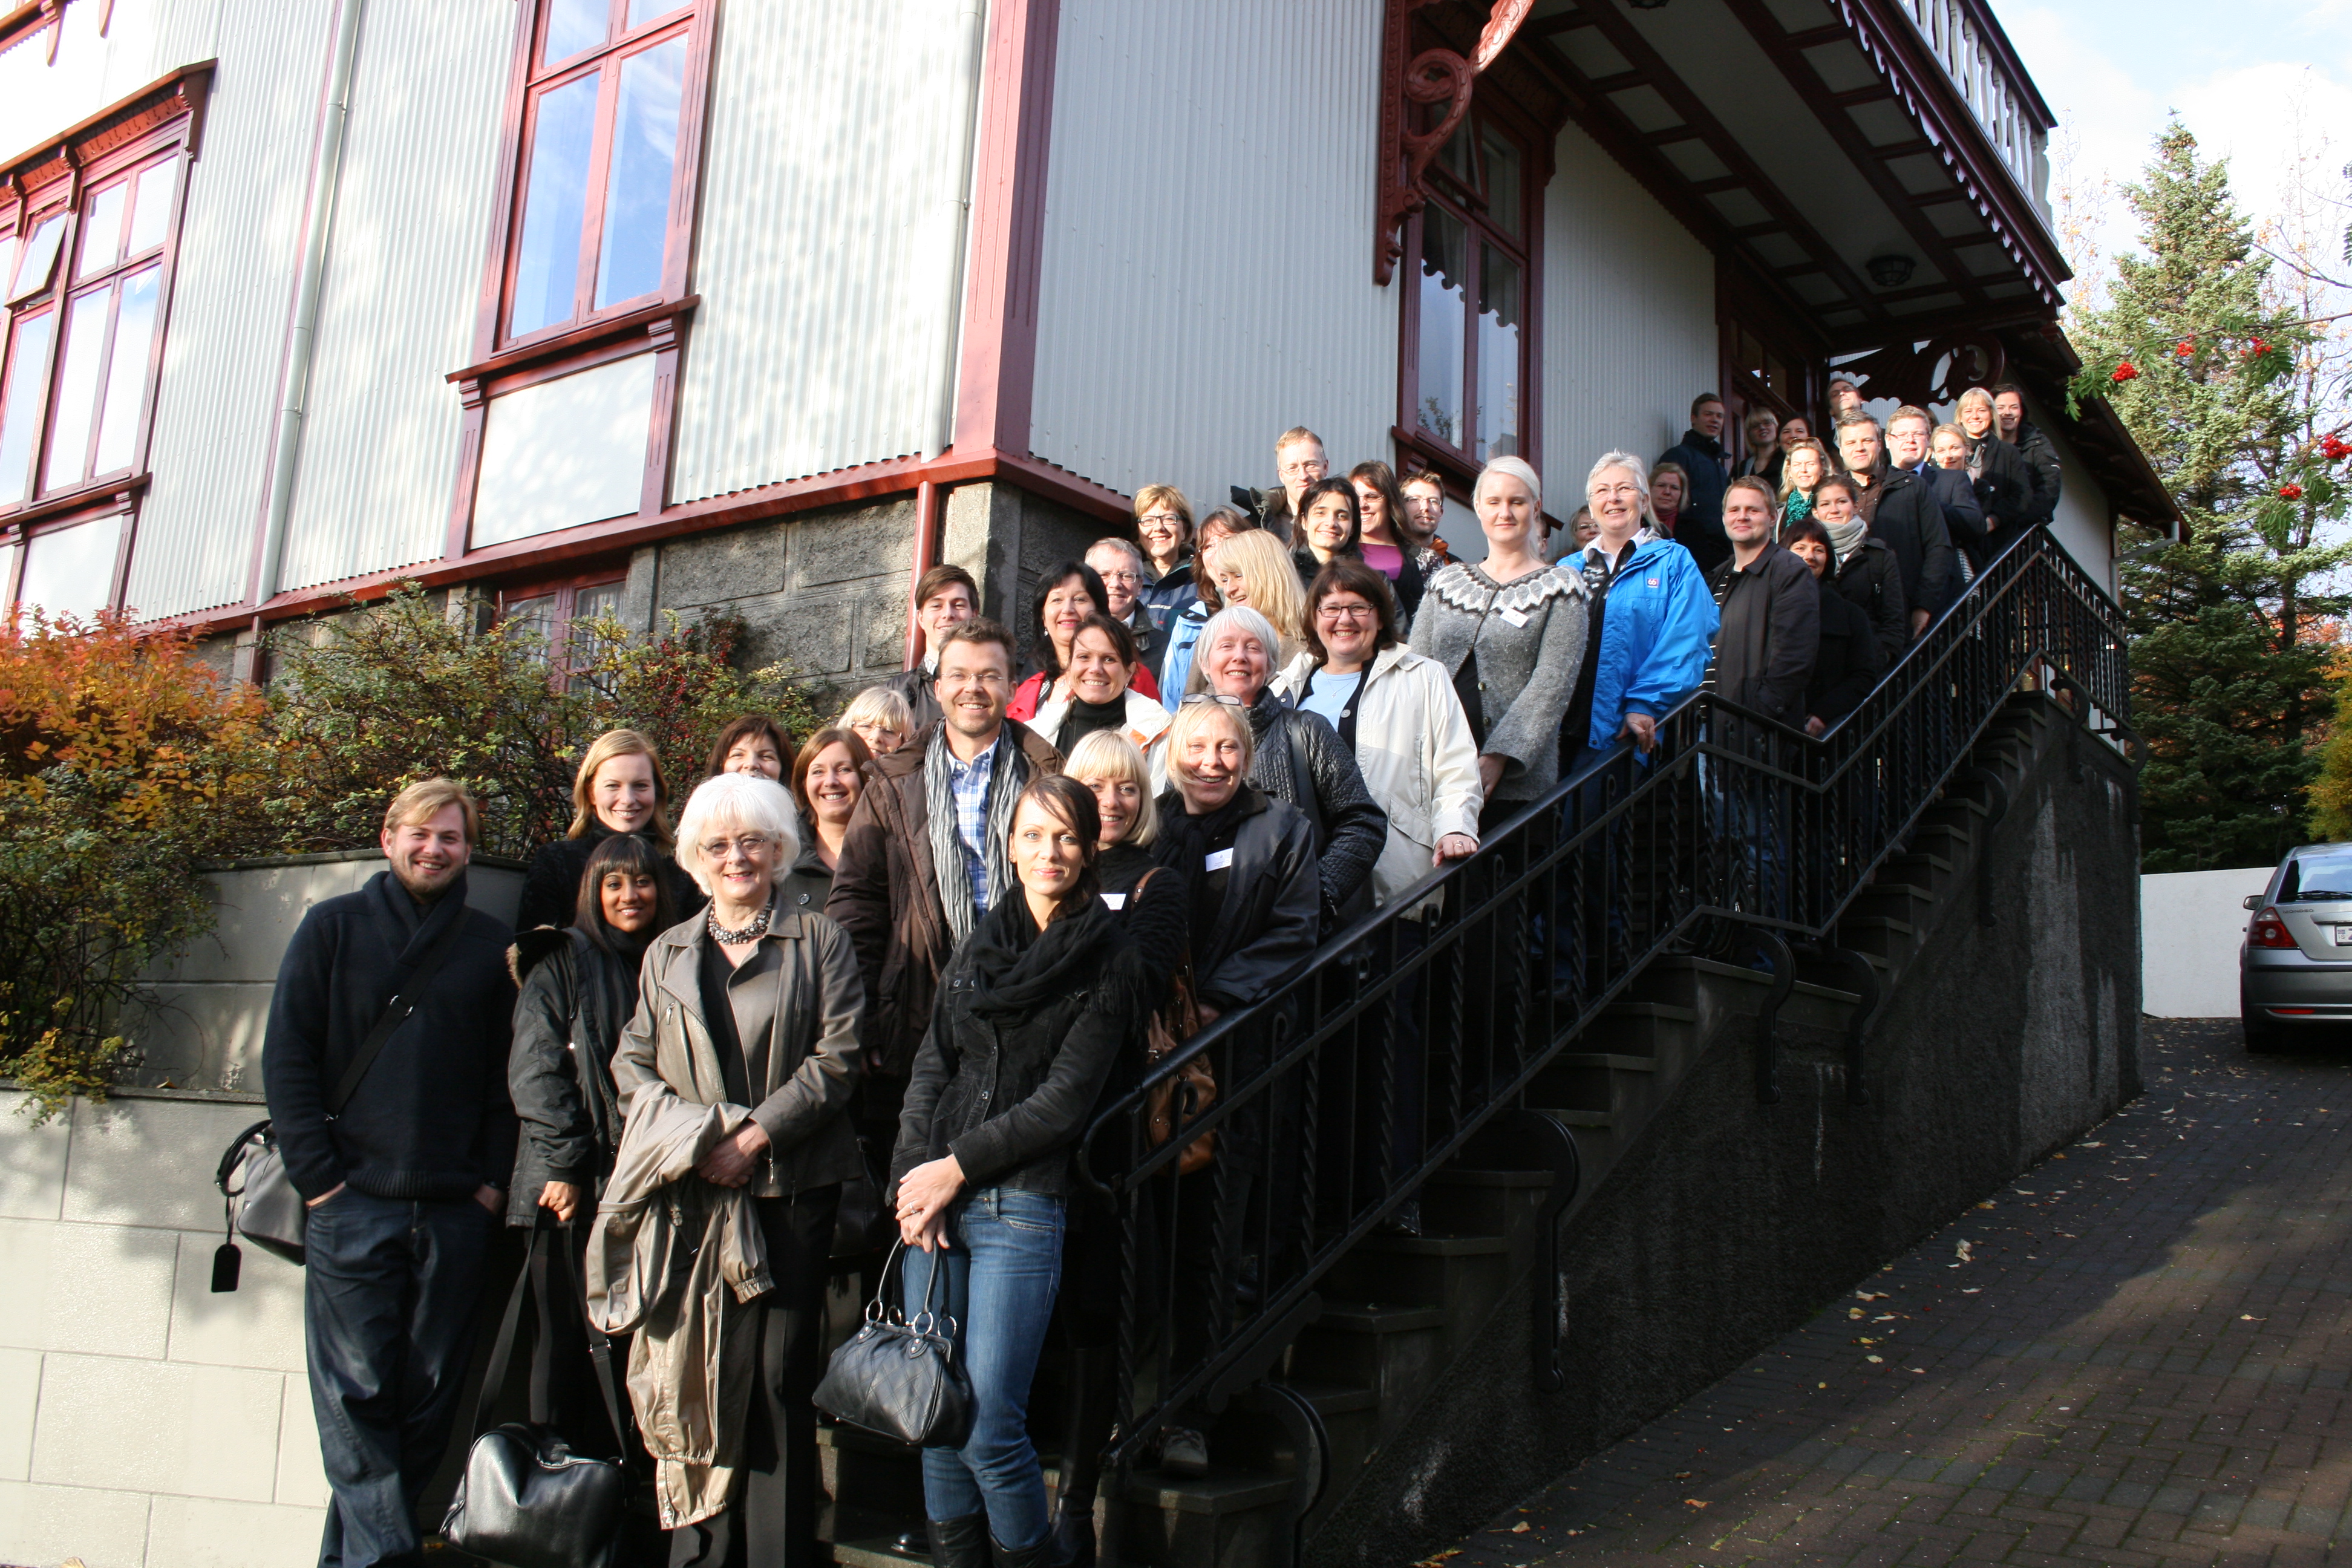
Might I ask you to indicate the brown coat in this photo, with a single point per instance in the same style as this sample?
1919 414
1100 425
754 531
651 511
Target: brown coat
886 897
812 1052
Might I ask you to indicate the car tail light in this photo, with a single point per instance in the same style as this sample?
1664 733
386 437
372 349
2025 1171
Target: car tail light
2268 931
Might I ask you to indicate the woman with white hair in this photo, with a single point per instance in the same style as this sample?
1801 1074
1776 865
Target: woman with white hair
1650 621
752 1005
1510 633
1297 757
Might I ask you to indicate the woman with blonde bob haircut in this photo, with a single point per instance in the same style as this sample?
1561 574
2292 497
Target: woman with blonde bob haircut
619 788
751 1007
1254 569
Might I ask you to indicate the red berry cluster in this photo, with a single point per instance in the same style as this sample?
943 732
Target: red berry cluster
2125 372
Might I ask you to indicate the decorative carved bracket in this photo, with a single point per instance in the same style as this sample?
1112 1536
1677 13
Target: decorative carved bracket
1432 76
1908 373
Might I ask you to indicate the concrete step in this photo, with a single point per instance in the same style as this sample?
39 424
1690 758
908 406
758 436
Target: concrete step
1468 1201
1877 934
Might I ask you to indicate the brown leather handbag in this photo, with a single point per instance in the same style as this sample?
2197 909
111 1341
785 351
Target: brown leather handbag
1165 1031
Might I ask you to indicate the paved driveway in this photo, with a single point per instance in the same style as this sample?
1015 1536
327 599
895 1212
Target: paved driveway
2136 1353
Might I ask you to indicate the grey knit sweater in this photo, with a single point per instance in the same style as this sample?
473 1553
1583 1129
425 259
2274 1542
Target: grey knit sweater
1529 638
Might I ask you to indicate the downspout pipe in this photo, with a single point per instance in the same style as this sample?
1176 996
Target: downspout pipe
326 179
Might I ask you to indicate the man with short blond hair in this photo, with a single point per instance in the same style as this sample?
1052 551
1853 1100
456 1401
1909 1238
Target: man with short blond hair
385 1065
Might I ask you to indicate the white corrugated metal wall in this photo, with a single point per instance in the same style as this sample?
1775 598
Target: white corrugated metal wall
412 230
210 451
1207 272
827 293
1629 320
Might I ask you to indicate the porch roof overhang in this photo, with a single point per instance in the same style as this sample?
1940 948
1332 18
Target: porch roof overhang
1877 164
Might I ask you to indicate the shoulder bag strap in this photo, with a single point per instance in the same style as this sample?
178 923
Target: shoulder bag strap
494 1377
394 1015
600 1346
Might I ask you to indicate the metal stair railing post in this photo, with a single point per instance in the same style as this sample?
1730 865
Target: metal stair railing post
1733 824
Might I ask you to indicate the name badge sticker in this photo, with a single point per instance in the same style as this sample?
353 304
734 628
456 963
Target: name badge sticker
1220 861
1516 617
1114 901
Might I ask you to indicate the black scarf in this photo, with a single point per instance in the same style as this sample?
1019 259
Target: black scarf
1185 841
1016 969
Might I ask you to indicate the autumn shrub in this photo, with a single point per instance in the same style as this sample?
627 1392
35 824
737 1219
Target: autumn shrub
399 689
124 761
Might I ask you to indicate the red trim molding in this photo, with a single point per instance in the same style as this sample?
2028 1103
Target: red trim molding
615 537
1432 76
997 377
159 101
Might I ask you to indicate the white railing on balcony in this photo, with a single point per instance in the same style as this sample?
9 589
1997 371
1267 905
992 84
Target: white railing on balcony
1955 35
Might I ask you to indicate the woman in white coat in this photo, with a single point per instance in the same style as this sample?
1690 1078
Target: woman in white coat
1397 712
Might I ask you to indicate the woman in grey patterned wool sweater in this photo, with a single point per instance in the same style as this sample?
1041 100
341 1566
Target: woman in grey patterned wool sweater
1510 632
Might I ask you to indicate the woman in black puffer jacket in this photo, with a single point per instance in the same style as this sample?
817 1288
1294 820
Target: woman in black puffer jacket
1034 1010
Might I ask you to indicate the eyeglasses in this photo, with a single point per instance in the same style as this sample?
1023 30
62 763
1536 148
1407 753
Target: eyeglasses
751 847
1309 471
1346 612
1158 520
1219 698
1120 574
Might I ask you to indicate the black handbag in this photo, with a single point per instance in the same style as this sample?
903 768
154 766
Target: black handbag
526 1499
897 1378
258 1198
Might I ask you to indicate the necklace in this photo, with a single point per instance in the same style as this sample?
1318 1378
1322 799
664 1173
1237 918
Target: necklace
753 932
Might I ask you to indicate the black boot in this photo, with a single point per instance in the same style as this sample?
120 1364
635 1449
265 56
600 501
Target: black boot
1084 1433
959 1543
1038 1554
1072 1535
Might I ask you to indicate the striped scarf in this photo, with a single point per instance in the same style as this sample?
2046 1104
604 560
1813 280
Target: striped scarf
1004 781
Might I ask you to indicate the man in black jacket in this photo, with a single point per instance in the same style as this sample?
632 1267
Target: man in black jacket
2040 457
1120 566
1698 528
1771 611
404 1183
1907 516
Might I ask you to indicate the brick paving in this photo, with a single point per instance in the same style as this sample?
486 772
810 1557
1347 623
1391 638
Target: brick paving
2139 1353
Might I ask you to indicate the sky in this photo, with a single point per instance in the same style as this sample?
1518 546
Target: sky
2249 78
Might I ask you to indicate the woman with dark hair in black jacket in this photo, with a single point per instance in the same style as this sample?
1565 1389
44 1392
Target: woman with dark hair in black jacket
1331 527
1866 573
578 987
1846 665
1035 1009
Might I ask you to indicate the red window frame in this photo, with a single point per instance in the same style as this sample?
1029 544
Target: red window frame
78 202
1463 191
566 596
533 78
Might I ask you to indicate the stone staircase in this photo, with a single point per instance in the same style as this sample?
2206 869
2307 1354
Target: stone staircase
1397 1313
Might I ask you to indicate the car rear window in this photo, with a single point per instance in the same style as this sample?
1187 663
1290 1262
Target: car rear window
2315 879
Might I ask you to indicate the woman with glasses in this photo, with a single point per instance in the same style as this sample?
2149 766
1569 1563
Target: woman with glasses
752 1005
1163 525
1035 1009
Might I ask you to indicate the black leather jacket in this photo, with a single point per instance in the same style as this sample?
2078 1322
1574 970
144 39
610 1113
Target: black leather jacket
573 1001
1349 824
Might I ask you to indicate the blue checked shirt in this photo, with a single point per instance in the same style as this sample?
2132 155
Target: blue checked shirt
968 783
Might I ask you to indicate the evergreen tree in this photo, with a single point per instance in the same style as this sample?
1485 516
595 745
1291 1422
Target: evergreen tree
2231 624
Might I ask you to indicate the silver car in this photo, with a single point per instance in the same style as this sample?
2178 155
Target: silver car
2296 968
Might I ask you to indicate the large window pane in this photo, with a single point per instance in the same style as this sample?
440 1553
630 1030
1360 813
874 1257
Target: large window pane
101 230
643 11
126 370
151 206
39 258
20 418
1499 356
1445 304
645 157
1503 183
77 382
70 570
573 25
555 206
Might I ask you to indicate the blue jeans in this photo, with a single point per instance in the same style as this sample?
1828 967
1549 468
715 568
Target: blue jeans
1003 1264
388 1303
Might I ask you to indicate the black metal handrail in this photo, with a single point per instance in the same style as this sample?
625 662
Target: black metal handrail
1373 1061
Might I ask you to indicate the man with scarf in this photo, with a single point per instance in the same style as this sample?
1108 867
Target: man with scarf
925 854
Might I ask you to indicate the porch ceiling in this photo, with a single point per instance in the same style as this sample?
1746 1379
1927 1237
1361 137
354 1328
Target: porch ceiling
1812 138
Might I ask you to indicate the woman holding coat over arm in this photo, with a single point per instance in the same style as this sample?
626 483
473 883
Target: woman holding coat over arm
752 1007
